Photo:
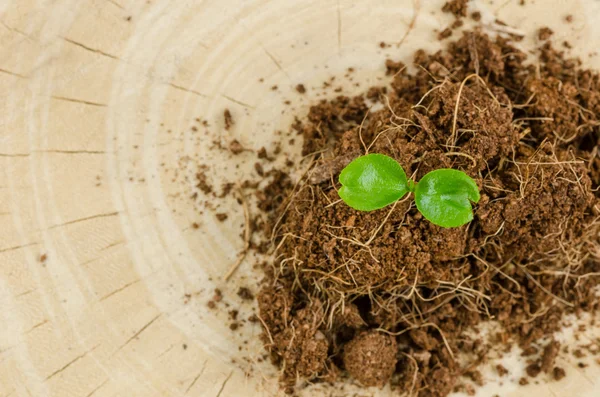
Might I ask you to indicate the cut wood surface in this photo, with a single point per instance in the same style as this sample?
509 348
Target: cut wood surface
107 258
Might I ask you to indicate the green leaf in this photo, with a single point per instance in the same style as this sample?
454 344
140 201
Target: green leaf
371 182
443 197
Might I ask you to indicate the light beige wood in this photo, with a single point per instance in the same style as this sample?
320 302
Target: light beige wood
97 164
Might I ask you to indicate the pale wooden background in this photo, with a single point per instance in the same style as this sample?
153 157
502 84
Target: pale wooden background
97 158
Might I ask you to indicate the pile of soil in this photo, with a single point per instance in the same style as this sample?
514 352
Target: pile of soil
386 296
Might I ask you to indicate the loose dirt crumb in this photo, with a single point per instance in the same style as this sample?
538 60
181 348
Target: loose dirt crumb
457 7
549 356
301 89
236 147
202 182
43 258
457 24
476 16
370 358
444 34
578 353
259 169
501 370
523 381
569 18
533 370
228 118
558 373
222 217
545 33
245 293
262 153
393 68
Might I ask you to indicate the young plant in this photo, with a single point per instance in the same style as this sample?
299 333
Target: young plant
443 196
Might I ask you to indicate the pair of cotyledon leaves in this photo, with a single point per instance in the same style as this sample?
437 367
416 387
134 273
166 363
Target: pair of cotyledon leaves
443 196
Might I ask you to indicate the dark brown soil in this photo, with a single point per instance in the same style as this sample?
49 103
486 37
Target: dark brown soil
301 89
444 34
386 296
370 358
545 33
457 7
558 373
228 119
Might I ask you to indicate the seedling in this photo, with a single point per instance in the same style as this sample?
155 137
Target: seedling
443 196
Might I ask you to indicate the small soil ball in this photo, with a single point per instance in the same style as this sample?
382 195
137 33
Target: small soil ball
370 358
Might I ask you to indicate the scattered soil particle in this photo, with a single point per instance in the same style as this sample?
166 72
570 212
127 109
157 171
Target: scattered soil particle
236 147
523 381
234 326
569 18
370 358
457 24
226 189
501 370
43 258
529 351
222 217
545 33
577 353
245 293
582 365
558 373
262 153
476 377
376 93
301 89
457 7
476 16
211 304
444 34
202 182
259 169
533 370
393 68
228 118
549 356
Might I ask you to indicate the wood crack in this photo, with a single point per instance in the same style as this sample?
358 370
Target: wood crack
75 100
94 50
138 332
236 101
107 215
196 378
178 87
119 289
58 371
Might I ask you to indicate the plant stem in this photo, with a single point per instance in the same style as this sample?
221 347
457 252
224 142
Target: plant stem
412 185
